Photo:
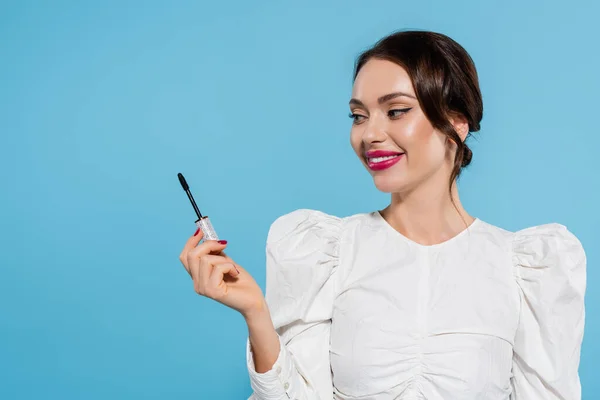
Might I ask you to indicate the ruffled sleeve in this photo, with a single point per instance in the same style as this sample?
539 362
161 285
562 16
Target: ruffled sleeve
302 258
550 270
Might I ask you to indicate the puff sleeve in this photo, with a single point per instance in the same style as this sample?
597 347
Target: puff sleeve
550 270
302 256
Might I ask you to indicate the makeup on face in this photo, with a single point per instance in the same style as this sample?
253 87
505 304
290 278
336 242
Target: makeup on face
378 160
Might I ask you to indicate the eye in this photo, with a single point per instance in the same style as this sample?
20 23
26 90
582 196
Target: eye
356 118
398 112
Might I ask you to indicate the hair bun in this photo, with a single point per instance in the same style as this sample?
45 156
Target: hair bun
467 156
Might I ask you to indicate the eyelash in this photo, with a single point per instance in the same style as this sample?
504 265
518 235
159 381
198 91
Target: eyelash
402 111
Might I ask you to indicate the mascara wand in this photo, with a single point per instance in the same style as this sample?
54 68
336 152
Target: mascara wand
203 222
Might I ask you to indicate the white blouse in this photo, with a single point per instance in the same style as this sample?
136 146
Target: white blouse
363 312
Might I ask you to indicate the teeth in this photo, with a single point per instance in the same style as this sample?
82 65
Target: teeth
381 159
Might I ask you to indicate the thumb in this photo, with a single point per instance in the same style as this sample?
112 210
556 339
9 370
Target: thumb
198 235
193 240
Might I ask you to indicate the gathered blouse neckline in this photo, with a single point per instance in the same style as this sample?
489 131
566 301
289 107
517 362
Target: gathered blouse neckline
379 217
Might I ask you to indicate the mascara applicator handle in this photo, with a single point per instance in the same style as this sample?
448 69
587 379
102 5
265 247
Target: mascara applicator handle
207 229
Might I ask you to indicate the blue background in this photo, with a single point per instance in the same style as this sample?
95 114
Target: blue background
103 103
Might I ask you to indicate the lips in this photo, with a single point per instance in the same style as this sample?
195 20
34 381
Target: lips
379 160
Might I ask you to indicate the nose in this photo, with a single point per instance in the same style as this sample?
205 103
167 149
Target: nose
374 131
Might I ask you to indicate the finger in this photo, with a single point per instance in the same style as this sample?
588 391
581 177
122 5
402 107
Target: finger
237 266
201 268
194 250
208 247
214 287
191 243
229 259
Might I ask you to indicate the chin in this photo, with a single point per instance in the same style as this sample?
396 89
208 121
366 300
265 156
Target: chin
389 184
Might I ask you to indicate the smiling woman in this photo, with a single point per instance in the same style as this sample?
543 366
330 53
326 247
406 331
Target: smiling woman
420 300
439 86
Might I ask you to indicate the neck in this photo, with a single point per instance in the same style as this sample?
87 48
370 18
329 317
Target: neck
428 214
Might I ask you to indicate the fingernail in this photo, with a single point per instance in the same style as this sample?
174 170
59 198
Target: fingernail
238 271
197 230
222 241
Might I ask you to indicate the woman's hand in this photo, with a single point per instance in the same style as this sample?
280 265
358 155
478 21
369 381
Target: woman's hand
218 277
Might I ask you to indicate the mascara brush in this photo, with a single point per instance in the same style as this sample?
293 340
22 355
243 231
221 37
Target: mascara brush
203 222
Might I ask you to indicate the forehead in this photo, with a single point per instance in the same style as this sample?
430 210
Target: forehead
380 77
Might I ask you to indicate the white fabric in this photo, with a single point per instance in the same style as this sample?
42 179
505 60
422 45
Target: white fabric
363 312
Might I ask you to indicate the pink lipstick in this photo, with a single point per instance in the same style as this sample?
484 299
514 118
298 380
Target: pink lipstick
379 160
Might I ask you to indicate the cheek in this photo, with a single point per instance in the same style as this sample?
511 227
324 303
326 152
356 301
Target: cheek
425 146
355 141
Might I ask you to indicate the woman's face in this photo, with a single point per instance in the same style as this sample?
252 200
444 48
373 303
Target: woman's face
390 133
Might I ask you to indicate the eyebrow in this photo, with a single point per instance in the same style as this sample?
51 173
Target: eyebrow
383 99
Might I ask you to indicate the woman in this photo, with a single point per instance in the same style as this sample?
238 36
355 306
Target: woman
420 300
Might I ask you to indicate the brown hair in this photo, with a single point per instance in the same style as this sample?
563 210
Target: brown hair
444 78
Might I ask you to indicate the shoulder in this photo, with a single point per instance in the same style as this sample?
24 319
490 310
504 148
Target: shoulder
311 222
548 253
542 251
303 221
538 241
547 245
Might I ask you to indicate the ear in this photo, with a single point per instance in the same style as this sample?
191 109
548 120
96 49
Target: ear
460 124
